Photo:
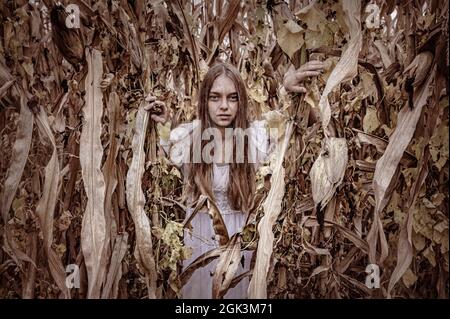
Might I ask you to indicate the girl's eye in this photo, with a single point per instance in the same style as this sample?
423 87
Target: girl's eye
213 98
234 98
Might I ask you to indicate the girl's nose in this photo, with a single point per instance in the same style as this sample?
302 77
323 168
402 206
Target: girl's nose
224 104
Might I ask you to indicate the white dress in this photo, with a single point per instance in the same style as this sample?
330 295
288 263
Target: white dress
202 237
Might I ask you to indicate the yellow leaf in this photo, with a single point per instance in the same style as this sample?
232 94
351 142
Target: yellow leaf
275 123
369 88
257 94
290 37
429 254
418 241
409 278
439 146
313 17
176 172
163 131
370 121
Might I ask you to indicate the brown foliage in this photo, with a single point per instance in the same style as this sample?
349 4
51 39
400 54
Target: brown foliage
364 177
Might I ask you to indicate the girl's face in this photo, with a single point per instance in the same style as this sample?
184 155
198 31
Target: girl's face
223 101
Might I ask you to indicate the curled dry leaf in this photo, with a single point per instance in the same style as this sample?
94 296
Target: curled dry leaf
272 207
226 267
110 290
387 165
136 200
201 261
166 48
45 208
328 170
347 66
19 157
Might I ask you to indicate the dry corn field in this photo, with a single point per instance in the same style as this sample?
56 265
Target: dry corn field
358 182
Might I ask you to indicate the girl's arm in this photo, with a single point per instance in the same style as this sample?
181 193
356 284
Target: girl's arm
292 83
158 109
160 114
176 147
293 79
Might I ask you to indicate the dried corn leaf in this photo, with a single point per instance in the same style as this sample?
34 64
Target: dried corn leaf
110 289
226 267
110 169
310 221
328 170
200 261
19 157
220 229
4 88
29 279
46 206
135 201
405 248
93 230
405 252
385 57
165 59
419 68
315 250
387 165
347 66
380 144
290 37
219 226
272 208
224 25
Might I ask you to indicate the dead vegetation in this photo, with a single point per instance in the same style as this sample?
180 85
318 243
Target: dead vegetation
360 175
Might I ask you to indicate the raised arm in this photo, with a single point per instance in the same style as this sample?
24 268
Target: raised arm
158 109
160 114
293 79
176 147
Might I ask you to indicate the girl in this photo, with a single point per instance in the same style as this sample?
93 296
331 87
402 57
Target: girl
222 105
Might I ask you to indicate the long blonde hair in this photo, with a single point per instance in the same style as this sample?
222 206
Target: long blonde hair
241 186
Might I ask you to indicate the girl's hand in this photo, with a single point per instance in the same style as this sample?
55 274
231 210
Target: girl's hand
293 79
158 110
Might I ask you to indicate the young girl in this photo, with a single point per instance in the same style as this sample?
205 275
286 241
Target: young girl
222 105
